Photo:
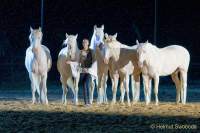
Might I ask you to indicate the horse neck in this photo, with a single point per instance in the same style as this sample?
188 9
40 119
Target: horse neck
154 56
98 53
37 48
77 53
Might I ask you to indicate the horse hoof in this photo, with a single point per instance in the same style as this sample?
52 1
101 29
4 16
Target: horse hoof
64 103
129 104
113 102
183 103
122 103
134 102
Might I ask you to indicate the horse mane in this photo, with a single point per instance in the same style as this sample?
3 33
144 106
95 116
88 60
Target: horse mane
65 42
92 41
117 44
114 44
152 48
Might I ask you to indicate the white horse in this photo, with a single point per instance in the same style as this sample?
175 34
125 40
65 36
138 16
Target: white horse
38 62
123 60
69 73
170 60
101 69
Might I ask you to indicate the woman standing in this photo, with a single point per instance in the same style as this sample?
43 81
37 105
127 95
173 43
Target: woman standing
86 63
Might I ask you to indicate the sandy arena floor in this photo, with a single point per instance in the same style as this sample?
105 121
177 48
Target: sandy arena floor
22 116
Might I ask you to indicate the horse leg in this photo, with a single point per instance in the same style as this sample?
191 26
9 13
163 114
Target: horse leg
156 83
183 86
99 101
76 89
64 99
122 90
136 95
64 88
92 86
127 88
33 87
102 92
150 87
105 88
71 84
177 84
43 89
146 87
116 80
132 85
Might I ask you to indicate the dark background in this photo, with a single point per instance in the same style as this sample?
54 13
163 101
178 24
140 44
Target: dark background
178 22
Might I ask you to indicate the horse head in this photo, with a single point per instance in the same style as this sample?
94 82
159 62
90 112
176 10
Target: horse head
97 37
144 52
35 37
112 47
71 43
99 33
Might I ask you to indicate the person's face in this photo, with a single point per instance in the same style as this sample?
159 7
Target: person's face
85 44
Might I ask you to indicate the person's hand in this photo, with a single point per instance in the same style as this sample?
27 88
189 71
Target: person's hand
68 62
84 69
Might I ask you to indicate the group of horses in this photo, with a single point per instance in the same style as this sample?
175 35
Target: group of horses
110 57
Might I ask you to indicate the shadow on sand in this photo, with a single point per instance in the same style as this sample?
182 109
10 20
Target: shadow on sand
42 121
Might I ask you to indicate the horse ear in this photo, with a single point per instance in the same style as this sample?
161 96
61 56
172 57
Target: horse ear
31 29
106 35
76 36
40 29
66 35
95 27
137 42
147 41
102 27
115 36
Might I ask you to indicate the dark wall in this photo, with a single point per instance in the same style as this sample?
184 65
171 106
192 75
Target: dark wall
177 23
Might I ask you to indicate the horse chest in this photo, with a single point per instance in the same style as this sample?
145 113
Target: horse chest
38 66
148 70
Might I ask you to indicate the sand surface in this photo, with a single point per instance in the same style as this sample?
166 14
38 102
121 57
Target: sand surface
22 116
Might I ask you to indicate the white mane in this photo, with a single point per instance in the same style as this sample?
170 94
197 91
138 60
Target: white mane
63 51
65 42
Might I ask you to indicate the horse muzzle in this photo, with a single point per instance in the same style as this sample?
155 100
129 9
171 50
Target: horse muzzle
106 61
140 64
